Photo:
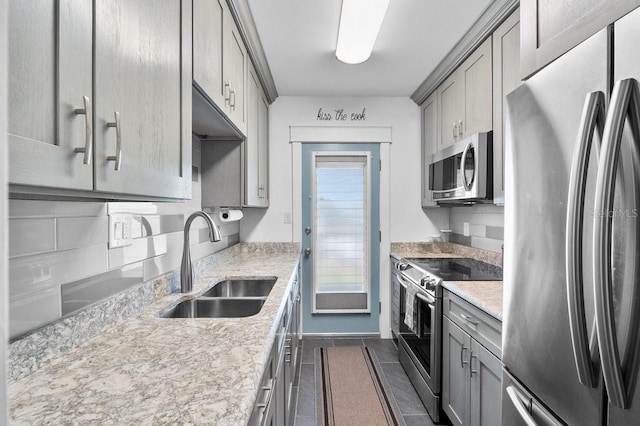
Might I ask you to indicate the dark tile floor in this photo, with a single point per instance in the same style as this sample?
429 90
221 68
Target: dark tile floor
409 404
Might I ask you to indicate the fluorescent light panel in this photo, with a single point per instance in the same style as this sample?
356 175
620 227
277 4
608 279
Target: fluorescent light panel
360 22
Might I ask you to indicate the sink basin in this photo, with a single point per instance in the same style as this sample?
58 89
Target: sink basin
215 308
246 287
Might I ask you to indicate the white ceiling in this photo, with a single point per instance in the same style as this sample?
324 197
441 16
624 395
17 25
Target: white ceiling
299 39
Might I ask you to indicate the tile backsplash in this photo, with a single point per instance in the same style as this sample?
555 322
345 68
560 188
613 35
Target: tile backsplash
486 226
60 260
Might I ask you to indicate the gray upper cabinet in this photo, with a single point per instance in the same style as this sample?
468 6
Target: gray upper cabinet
449 99
208 22
506 77
50 77
429 143
475 77
143 113
256 145
464 98
220 59
553 27
100 99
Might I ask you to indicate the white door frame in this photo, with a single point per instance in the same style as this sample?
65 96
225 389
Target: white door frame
350 134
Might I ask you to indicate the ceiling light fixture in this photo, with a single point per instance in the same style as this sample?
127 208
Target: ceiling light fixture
360 22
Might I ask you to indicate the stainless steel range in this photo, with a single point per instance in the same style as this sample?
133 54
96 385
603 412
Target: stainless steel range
420 335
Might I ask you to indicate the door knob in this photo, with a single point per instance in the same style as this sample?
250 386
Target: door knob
307 251
307 230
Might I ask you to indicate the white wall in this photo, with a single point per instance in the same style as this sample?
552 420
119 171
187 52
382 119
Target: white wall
409 222
4 288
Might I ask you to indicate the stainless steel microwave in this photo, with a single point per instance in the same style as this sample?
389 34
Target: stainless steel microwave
463 172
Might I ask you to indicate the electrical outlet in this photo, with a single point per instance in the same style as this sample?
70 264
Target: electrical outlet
287 217
120 230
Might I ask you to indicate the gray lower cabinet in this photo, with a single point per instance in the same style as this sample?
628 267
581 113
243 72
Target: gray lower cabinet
471 373
100 98
275 398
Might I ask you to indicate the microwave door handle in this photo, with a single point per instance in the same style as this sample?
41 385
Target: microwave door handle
592 120
463 165
625 103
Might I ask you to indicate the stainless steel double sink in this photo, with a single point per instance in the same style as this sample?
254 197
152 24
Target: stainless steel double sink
231 298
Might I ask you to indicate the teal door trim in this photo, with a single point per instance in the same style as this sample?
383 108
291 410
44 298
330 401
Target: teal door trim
342 323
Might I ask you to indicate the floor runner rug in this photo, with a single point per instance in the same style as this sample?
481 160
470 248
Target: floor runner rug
351 389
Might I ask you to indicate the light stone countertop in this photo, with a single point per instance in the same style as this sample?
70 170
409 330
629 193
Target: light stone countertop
150 370
486 295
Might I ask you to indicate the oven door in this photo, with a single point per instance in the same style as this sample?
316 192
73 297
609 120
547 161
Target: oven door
424 345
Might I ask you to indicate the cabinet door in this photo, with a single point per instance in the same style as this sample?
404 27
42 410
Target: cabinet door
429 144
551 27
252 150
143 75
456 345
486 397
475 83
506 77
263 150
50 72
448 94
235 73
208 24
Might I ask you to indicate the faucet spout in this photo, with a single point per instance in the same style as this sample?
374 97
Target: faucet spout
186 269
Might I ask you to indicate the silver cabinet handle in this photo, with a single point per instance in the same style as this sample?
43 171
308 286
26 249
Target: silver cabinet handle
232 98
593 116
227 92
625 103
460 132
520 407
469 320
87 149
471 358
463 165
455 130
118 157
462 361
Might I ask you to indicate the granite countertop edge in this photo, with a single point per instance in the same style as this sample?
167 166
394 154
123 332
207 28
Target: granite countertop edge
149 369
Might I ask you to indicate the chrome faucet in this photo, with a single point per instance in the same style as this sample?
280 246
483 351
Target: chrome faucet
186 271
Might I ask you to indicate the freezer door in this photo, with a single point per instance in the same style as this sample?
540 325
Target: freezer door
624 245
520 408
543 123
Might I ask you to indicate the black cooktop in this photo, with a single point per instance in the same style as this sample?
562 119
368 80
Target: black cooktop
459 269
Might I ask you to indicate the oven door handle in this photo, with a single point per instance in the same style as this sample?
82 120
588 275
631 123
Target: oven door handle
427 298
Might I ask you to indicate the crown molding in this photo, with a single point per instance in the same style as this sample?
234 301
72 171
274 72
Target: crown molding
247 27
491 18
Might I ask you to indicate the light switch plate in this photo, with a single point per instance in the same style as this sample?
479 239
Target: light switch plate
287 217
120 230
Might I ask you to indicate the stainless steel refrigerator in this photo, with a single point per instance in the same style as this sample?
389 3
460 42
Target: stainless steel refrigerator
572 245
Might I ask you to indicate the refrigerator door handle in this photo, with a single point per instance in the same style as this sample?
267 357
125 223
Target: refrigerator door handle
593 116
625 103
519 404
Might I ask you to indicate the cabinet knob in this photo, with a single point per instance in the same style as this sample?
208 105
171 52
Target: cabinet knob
87 149
118 157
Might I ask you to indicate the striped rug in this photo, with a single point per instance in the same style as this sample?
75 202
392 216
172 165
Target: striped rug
351 389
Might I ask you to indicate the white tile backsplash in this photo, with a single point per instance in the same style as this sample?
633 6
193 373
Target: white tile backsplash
30 311
29 274
76 232
486 225
30 236
37 208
